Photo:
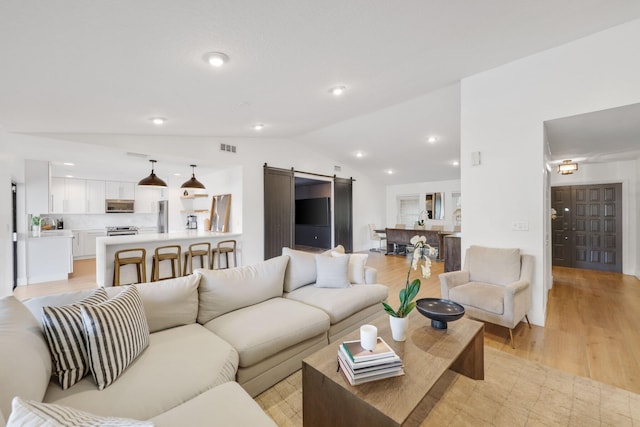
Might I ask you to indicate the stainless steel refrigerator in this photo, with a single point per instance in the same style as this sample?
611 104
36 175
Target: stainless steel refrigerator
163 216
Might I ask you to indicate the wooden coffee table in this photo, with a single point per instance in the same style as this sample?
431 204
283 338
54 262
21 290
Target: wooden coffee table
329 400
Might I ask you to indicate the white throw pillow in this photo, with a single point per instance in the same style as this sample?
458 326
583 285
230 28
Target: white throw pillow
333 272
65 335
356 266
301 269
117 332
32 413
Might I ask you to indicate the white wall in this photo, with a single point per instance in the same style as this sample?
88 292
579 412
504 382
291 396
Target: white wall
420 189
503 111
613 172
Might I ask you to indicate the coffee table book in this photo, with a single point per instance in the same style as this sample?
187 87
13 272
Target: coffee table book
368 376
358 354
369 365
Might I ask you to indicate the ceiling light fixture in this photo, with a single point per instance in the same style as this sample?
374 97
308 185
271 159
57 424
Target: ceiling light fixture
158 121
567 167
69 164
258 126
337 90
389 172
152 180
432 139
359 154
456 163
215 59
193 182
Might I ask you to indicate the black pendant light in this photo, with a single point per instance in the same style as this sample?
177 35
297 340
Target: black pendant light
152 180
193 182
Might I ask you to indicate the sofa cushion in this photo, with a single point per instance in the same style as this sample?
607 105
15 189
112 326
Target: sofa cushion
494 265
333 272
160 379
357 263
116 333
26 364
228 404
66 338
167 303
262 330
340 303
222 291
301 269
33 413
484 296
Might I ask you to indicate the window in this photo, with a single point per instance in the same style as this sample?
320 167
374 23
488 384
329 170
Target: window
408 209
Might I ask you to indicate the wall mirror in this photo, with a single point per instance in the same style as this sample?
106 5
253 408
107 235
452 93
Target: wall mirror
434 205
219 215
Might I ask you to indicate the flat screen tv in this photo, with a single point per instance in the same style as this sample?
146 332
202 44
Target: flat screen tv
313 211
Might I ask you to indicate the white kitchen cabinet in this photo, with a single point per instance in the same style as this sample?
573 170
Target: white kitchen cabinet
120 190
49 257
76 246
68 195
88 241
147 199
95 196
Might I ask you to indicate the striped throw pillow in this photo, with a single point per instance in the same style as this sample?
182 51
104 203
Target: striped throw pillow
65 335
32 413
117 332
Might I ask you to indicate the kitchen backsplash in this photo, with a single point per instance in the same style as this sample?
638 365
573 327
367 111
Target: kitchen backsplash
97 221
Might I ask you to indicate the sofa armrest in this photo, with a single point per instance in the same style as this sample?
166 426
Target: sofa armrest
370 275
451 280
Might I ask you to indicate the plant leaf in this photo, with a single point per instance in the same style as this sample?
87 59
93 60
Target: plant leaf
389 310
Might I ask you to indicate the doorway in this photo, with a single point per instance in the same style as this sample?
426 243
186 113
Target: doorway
587 228
312 213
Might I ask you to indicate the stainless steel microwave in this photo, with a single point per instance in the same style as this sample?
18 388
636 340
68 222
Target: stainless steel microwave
119 206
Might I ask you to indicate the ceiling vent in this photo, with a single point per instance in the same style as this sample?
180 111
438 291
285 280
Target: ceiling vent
337 168
228 148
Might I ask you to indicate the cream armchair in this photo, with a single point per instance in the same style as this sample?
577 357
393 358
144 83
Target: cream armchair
493 286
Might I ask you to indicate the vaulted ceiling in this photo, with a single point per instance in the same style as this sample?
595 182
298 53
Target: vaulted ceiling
108 67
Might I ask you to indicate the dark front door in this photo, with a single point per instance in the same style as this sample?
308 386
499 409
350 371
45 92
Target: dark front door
588 230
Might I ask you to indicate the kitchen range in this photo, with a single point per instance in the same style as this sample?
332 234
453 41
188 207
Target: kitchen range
124 230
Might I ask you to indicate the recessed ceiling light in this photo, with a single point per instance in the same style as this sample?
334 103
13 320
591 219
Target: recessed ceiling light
337 90
258 126
359 154
432 139
177 174
389 172
216 59
158 121
456 163
69 164
68 176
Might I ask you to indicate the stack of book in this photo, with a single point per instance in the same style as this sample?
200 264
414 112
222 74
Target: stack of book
361 366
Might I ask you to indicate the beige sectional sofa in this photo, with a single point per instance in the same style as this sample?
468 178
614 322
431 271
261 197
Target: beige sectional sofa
217 338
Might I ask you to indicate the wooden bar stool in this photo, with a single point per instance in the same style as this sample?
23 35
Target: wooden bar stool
139 261
197 250
224 247
173 256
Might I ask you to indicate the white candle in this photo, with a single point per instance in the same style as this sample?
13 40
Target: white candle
368 337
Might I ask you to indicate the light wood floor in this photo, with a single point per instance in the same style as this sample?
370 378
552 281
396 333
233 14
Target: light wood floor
592 327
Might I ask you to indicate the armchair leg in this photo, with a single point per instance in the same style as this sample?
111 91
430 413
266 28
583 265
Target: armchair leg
513 346
526 316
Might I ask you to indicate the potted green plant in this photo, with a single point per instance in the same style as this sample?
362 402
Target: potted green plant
35 225
398 318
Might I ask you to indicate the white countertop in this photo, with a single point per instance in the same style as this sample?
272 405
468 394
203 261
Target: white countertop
162 237
51 233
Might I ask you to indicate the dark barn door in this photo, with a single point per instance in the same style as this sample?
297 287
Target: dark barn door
343 212
278 211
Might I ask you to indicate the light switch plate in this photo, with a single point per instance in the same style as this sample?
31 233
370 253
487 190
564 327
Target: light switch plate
520 226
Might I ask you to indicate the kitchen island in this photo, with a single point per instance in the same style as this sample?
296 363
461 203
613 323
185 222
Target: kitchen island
49 256
106 247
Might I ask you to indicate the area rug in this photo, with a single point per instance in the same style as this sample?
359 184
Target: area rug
515 392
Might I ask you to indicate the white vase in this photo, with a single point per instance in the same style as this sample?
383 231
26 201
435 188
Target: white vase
399 327
35 230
